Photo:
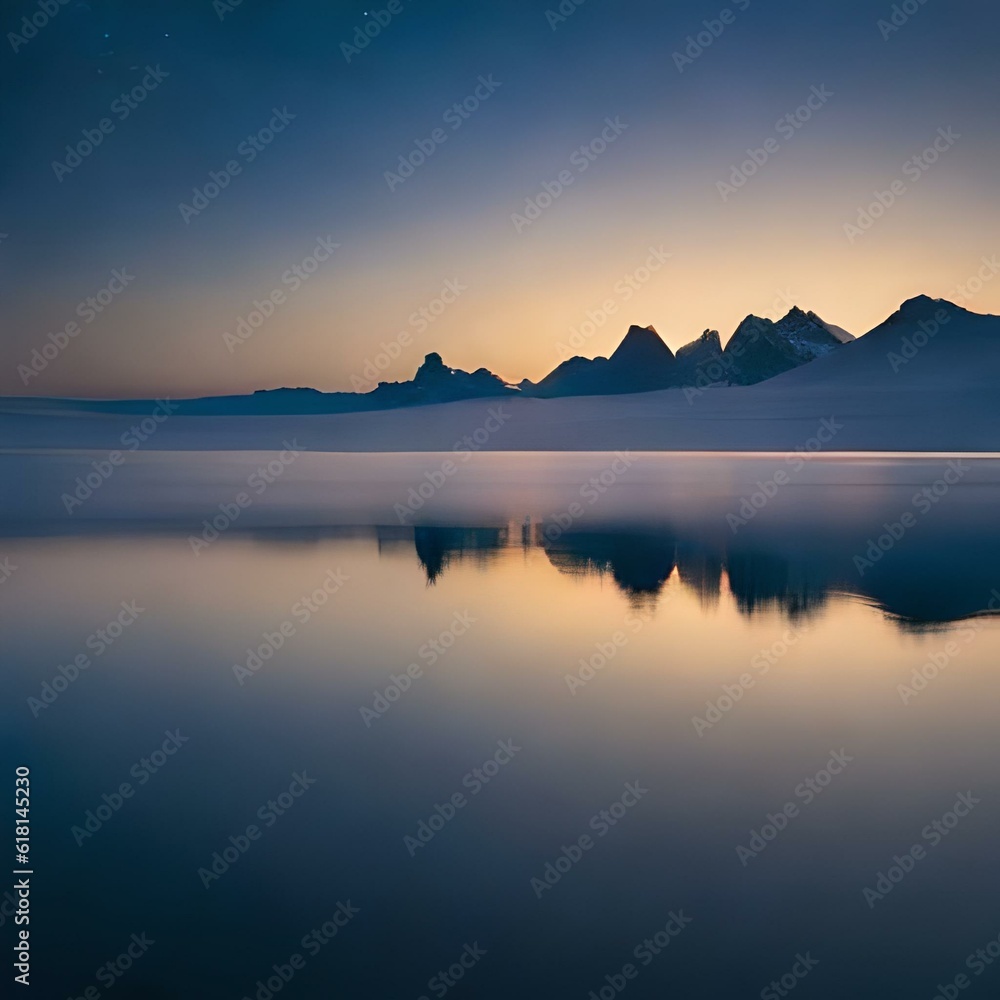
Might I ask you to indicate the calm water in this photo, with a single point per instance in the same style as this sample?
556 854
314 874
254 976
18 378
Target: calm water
551 744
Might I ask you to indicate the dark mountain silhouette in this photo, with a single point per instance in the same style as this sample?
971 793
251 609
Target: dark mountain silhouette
641 363
639 564
437 546
946 575
798 351
701 352
928 341
642 346
760 349
434 382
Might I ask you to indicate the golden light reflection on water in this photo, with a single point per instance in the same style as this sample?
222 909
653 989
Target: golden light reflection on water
596 657
538 611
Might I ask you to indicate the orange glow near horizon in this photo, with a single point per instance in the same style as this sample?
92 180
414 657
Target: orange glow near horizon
524 294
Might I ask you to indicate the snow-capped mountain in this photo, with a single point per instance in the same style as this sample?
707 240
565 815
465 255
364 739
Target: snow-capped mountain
761 349
758 350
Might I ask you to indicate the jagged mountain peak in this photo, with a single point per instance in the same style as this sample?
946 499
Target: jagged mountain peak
797 318
705 348
761 348
751 325
707 337
432 367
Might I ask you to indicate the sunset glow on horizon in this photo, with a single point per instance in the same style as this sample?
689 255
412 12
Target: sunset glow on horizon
841 178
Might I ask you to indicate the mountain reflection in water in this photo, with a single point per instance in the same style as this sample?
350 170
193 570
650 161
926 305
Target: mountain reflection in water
927 581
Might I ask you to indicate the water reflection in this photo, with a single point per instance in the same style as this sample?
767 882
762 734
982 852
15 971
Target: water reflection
936 580
437 546
546 604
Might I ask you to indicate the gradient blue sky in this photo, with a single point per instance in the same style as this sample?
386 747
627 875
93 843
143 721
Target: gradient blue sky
779 239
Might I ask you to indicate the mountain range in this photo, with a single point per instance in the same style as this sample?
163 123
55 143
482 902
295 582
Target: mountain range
642 362
924 380
758 350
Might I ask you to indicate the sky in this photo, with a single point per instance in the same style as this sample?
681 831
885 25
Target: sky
230 196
